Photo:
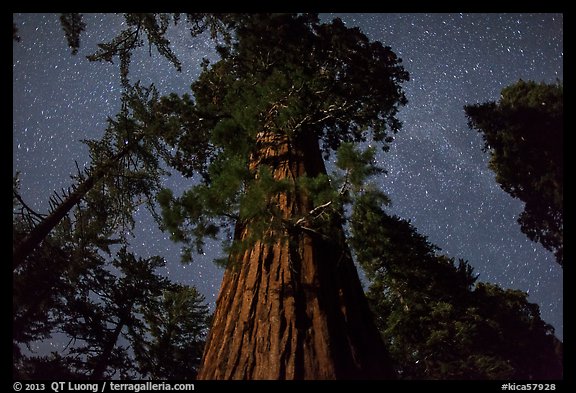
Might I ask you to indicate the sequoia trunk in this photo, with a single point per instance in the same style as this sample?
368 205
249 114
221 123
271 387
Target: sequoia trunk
294 308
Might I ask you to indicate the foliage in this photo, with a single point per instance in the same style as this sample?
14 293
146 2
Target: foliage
104 312
288 77
69 289
125 172
51 367
35 287
66 286
107 312
279 76
73 26
152 26
437 321
281 73
15 35
178 323
523 132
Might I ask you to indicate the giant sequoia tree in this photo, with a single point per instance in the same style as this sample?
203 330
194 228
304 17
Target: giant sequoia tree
286 90
523 132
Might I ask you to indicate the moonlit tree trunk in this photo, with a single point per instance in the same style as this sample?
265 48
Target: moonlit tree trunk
25 247
32 240
293 308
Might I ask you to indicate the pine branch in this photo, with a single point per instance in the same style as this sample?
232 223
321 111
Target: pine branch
313 212
314 232
26 207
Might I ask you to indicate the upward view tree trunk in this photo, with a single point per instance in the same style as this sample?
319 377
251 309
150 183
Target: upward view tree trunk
294 308
104 358
21 250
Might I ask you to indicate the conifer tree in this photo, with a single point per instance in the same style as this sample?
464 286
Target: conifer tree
523 133
73 26
177 324
437 321
287 91
125 170
69 289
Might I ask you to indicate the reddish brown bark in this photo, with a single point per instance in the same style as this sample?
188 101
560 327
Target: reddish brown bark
294 309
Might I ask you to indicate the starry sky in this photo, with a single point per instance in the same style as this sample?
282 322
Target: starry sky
437 174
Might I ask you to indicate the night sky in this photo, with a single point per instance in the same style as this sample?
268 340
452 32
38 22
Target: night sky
437 174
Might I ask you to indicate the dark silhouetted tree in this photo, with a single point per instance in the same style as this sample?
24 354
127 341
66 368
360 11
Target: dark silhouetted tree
69 289
73 26
128 154
438 323
41 286
104 315
124 173
523 133
177 325
36 289
121 319
61 249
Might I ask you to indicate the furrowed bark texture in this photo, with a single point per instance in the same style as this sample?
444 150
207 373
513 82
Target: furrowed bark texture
294 308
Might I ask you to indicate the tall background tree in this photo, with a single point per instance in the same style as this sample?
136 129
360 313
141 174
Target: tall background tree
124 173
127 157
524 133
437 321
107 311
178 323
64 286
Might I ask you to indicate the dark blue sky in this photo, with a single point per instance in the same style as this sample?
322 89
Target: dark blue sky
437 174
